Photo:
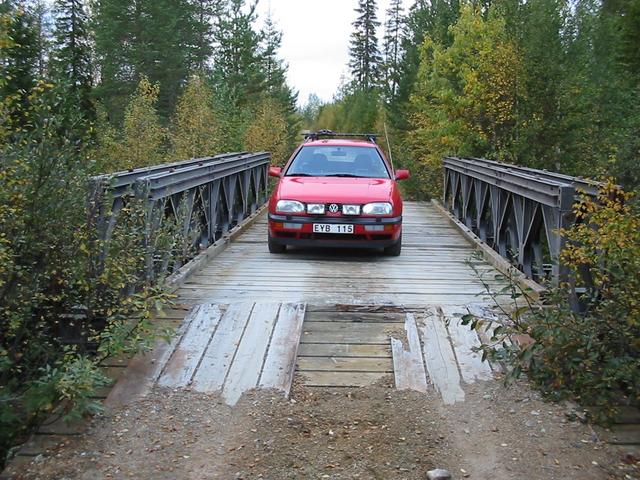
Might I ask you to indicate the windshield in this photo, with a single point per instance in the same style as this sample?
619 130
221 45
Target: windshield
333 161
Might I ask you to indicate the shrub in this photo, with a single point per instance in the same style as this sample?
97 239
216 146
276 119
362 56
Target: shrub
66 299
594 355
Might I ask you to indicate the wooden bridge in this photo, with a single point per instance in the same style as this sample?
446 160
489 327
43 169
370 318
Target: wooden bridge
246 319
251 319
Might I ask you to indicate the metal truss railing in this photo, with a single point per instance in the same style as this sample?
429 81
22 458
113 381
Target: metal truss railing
201 198
517 211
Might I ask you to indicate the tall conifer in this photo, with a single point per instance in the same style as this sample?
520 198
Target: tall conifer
364 52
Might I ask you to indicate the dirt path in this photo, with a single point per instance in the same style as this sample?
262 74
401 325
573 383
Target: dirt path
370 433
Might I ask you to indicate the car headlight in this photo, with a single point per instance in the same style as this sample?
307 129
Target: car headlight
351 209
315 208
289 206
377 208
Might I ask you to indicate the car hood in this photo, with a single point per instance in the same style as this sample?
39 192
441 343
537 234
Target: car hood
335 189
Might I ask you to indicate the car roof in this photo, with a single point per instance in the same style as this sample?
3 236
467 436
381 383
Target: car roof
339 142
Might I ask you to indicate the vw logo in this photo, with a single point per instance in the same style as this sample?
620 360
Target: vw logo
333 208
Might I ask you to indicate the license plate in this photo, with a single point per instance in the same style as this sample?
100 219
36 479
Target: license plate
332 228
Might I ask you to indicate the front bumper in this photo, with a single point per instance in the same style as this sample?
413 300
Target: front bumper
297 230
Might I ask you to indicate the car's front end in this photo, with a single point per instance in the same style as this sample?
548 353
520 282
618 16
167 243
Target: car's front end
336 194
335 221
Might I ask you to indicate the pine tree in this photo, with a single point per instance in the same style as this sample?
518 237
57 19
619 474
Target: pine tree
203 14
72 61
41 13
18 66
365 55
275 72
236 56
143 37
392 49
19 61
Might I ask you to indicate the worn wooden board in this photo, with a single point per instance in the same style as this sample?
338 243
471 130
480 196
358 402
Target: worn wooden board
464 342
186 357
279 364
217 358
408 364
341 379
439 357
144 369
346 364
348 337
343 350
249 357
357 317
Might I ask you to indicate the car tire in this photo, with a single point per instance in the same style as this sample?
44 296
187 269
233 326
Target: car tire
275 247
395 249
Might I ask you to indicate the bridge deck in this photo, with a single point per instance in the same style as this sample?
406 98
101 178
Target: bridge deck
432 269
368 316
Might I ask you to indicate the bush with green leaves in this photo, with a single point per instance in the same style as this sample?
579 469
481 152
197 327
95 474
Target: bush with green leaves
592 356
68 300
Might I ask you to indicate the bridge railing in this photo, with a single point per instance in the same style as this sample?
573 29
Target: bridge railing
203 197
517 211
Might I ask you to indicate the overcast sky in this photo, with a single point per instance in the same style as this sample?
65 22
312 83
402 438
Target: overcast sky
315 42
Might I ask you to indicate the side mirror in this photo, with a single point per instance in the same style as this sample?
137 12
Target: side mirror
275 171
402 174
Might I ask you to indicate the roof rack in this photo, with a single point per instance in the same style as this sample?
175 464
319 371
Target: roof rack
329 133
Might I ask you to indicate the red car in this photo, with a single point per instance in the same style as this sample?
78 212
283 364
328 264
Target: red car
336 192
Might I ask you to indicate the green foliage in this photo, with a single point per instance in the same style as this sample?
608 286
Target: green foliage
593 356
63 294
269 132
196 131
236 58
142 140
364 54
355 111
390 69
72 56
161 40
18 58
465 96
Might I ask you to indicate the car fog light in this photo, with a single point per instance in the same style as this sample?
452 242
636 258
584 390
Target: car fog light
351 209
315 208
293 226
374 228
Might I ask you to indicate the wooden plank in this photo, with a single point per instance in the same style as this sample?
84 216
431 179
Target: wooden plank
408 366
195 290
353 327
343 350
341 379
354 317
247 362
379 337
464 341
440 359
217 358
184 361
281 357
346 364
145 368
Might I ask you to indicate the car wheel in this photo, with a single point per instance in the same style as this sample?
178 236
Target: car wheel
394 250
275 247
